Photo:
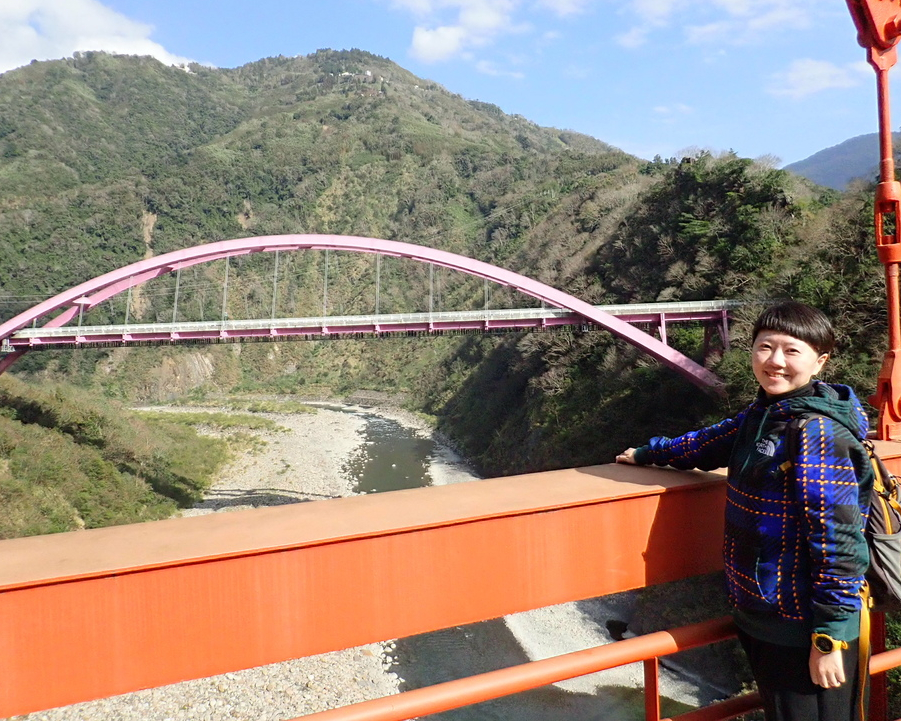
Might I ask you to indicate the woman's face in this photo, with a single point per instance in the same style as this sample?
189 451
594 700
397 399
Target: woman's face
783 363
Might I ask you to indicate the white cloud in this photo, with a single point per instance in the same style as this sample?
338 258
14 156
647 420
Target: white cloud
420 7
728 22
634 38
477 23
577 72
791 16
671 110
652 14
736 7
668 114
806 76
564 7
654 10
50 29
438 44
741 28
488 68
448 28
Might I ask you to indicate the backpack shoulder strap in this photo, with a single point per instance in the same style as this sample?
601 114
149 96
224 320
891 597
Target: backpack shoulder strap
883 480
793 439
885 483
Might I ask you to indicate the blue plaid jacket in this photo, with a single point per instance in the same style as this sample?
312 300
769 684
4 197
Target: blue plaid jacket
794 550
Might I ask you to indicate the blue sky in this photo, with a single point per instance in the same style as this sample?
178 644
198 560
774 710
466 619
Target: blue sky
782 78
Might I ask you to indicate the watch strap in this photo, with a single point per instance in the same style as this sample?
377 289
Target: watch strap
824 643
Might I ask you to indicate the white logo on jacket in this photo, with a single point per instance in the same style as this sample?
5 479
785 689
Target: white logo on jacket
766 447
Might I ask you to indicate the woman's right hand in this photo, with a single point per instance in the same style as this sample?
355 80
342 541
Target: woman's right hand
827 669
627 456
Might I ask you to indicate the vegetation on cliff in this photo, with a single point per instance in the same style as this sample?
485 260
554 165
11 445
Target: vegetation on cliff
710 228
69 460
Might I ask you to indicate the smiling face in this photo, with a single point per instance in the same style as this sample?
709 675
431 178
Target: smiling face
783 363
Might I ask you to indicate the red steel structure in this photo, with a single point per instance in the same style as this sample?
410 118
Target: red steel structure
90 614
878 29
878 25
95 613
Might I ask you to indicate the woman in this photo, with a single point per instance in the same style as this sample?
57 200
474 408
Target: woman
794 550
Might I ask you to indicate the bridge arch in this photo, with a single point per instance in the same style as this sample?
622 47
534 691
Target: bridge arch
95 291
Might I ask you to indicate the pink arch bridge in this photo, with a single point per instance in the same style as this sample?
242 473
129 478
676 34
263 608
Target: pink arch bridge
93 292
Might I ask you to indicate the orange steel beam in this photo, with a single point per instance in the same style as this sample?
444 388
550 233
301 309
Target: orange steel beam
90 614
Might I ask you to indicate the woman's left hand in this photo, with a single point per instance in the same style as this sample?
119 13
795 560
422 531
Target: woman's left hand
827 669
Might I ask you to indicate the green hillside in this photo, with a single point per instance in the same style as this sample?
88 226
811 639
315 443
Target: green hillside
855 159
105 158
70 461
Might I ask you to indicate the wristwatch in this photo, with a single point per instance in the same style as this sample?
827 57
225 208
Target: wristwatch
826 644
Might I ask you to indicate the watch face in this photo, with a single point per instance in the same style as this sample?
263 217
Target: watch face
823 644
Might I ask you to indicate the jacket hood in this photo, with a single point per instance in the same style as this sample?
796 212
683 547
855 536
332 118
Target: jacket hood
833 400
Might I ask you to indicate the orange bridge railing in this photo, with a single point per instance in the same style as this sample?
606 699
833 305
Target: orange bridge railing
152 604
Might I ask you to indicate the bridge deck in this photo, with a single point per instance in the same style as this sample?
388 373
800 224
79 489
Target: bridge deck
429 322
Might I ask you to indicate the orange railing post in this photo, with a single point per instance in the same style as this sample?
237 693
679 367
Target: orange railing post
652 689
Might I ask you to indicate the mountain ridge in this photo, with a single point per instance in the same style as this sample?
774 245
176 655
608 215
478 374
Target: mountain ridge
838 166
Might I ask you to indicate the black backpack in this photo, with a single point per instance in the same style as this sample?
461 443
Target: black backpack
883 529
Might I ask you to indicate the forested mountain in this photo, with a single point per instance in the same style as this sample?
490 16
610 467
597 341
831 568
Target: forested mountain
836 167
105 160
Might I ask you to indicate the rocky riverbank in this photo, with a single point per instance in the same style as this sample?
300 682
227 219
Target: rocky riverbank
301 462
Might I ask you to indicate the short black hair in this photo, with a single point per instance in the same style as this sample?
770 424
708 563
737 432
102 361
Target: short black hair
799 321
